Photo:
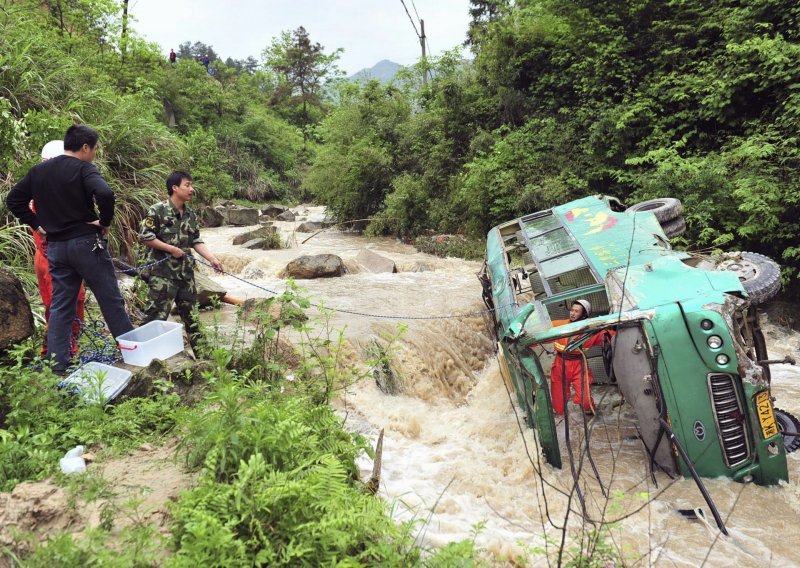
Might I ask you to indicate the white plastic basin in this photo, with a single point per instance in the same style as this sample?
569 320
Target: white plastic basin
155 340
98 383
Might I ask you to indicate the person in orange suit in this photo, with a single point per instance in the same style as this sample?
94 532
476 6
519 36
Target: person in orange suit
51 150
572 364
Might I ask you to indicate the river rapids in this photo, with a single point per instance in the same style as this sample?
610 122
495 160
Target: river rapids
457 457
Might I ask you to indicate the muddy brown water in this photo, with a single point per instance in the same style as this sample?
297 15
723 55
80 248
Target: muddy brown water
454 457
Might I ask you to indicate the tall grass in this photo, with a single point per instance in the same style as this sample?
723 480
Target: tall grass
16 253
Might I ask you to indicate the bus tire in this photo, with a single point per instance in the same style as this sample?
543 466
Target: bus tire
759 274
665 209
674 228
788 423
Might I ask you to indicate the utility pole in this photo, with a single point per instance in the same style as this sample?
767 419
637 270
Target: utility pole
424 61
124 35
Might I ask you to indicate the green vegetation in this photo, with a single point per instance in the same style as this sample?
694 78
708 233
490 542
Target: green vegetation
564 99
278 481
61 63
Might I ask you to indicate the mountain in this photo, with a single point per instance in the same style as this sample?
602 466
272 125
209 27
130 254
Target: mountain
384 71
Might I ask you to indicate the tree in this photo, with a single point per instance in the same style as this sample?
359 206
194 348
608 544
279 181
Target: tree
483 13
196 51
303 69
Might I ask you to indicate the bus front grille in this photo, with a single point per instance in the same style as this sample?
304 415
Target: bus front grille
730 419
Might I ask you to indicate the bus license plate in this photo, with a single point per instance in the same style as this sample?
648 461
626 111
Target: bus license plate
768 425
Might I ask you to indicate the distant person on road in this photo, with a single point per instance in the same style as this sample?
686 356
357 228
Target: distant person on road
571 365
50 150
171 229
65 191
205 61
172 56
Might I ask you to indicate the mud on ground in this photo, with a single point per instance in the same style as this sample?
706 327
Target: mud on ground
136 489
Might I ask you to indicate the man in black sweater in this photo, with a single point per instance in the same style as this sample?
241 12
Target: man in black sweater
65 190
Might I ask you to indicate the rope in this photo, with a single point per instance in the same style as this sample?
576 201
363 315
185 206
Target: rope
362 314
138 268
105 350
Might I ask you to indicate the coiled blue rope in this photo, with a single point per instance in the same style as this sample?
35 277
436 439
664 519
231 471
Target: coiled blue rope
103 348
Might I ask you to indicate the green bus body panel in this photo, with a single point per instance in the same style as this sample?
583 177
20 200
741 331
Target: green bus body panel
543 412
683 379
667 297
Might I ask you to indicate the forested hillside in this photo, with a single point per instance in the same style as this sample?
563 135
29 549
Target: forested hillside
556 100
239 131
640 99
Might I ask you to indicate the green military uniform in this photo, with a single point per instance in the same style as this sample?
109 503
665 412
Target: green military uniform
172 280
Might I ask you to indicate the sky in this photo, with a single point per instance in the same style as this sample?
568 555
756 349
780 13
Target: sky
368 30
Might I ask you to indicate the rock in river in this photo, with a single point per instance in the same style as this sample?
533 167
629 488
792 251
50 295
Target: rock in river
315 266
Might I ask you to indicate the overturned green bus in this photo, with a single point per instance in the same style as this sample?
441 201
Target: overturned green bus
684 347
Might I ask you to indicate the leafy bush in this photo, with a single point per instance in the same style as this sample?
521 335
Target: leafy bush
309 515
42 422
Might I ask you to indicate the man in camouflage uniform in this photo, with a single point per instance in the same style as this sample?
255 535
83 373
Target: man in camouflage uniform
171 229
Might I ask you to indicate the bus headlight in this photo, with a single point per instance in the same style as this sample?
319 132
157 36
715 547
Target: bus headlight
714 341
722 359
706 324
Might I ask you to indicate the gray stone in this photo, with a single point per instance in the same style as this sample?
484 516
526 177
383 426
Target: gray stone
286 216
315 266
15 311
373 262
243 216
261 233
183 374
257 243
272 211
313 226
222 210
207 289
211 217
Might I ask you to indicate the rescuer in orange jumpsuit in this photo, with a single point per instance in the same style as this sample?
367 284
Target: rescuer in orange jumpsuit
578 374
51 150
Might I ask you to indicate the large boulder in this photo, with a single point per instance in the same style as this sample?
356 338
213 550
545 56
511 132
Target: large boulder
243 216
286 216
257 243
211 217
222 210
262 232
15 311
313 226
373 262
182 372
207 289
272 211
315 266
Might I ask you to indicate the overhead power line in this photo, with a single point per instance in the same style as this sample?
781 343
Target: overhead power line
415 9
410 19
